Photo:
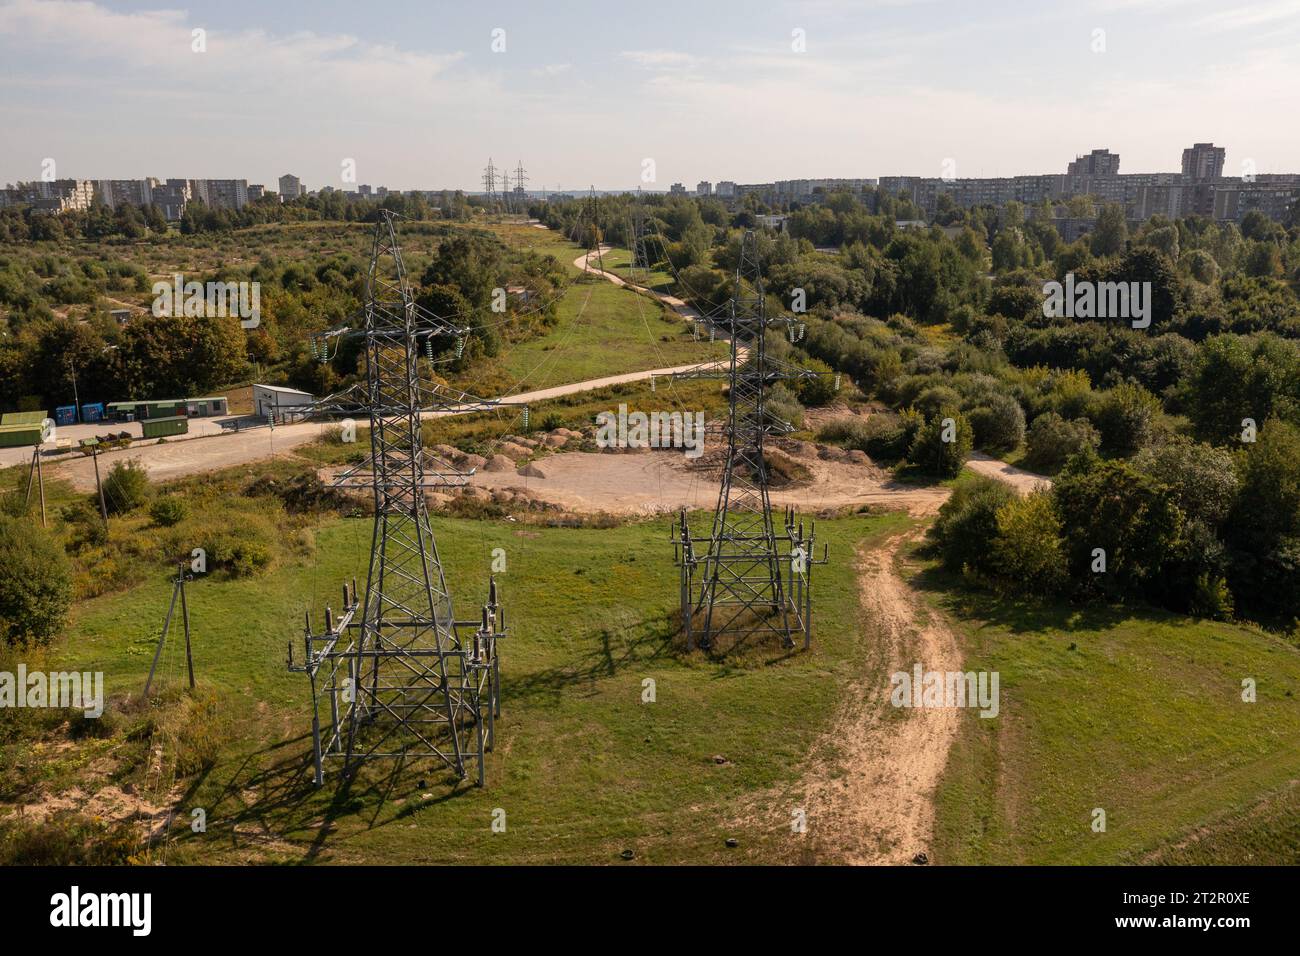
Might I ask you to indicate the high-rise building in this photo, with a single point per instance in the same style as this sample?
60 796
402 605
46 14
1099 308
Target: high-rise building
704 188
1203 161
1100 162
726 189
290 187
117 192
677 189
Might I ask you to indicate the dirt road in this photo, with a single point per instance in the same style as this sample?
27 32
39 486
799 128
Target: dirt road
869 790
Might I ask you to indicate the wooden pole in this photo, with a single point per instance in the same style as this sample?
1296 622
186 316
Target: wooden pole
103 510
185 617
167 623
40 481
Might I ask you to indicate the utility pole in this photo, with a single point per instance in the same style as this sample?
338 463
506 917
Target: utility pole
99 485
35 470
178 590
76 400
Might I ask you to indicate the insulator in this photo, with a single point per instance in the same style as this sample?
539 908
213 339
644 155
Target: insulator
525 418
837 381
460 346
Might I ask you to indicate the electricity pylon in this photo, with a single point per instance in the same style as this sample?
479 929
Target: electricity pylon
521 196
490 185
750 579
395 674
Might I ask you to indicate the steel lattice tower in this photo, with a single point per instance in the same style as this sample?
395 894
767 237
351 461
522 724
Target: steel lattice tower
490 184
752 579
396 675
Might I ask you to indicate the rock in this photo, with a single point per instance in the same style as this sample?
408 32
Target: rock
859 457
436 499
502 496
556 441
446 452
499 463
920 859
469 462
512 450
531 470
566 433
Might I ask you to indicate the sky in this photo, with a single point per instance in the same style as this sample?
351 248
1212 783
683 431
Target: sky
619 95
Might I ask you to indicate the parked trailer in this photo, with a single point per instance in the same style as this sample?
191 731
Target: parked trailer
165 427
66 415
92 413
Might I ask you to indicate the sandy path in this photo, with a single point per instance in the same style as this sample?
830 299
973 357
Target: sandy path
1022 481
870 788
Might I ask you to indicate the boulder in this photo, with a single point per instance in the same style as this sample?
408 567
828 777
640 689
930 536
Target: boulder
499 463
531 470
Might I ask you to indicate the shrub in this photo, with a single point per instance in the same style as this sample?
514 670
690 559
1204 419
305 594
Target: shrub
35 583
889 438
968 523
1052 441
126 487
168 510
820 390
943 444
1126 417
1202 477
1028 549
999 424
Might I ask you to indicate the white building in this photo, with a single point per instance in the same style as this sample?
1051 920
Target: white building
276 401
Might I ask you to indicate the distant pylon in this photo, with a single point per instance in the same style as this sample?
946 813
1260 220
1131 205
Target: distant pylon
751 580
521 195
490 185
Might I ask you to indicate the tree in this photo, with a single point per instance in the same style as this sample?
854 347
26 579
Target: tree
1238 377
126 487
1027 547
35 583
1052 441
1263 527
1111 232
1126 417
943 444
999 424
967 523
1111 512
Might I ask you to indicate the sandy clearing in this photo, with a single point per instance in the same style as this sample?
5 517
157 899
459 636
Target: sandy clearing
657 482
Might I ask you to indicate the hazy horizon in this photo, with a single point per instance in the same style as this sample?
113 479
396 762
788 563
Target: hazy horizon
418 98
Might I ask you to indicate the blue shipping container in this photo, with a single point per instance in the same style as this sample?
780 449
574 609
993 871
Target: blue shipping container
92 413
66 415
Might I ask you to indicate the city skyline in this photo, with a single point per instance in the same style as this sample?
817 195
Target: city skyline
115 90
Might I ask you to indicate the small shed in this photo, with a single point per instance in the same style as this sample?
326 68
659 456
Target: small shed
206 407
92 412
66 415
277 401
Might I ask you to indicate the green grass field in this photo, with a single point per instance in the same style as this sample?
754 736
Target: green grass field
1136 712
583 768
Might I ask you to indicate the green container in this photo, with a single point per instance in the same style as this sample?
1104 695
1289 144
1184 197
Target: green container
165 427
15 436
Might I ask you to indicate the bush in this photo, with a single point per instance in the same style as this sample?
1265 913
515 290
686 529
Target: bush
1126 417
1028 549
35 583
126 487
999 424
168 511
1202 477
943 444
890 438
1052 441
968 523
820 390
